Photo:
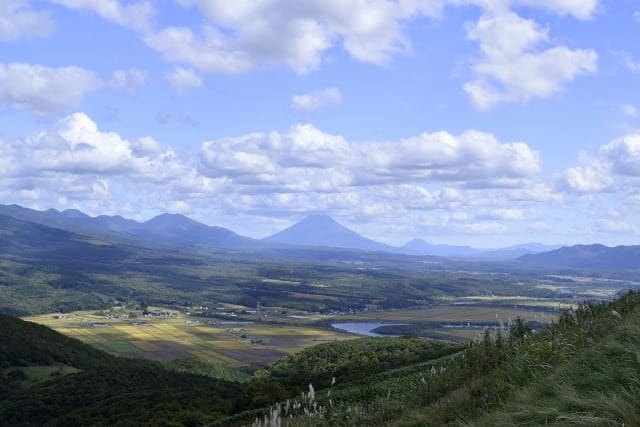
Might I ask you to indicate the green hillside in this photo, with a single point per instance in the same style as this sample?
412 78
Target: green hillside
583 370
79 385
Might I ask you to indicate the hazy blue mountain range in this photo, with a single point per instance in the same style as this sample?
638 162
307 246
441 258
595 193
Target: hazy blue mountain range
423 247
314 230
420 246
164 228
588 256
513 252
322 230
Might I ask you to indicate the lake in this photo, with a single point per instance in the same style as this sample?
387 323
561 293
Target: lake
364 328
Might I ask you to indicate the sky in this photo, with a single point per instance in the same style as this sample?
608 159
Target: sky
479 122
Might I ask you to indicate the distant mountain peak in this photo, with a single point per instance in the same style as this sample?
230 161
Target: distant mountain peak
322 230
422 246
415 242
319 219
74 213
172 219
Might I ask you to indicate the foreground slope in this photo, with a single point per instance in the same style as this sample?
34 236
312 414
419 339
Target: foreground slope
80 385
583 370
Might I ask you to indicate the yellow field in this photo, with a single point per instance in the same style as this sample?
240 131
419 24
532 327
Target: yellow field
250 341
235 345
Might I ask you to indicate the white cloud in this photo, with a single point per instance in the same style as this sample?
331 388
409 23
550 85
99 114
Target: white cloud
614 226
76 164
631 64
505 214
588 178
316 100
307 159
247 35
636 15
129 80
483 228
43 90
18 20
541 226
138 15
615 168
623 155
629 110
183 79
513 68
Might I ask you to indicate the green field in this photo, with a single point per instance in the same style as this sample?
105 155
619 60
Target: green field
254 341
234 345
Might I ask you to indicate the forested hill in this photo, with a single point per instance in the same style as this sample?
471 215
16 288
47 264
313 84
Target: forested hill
47 378
588 256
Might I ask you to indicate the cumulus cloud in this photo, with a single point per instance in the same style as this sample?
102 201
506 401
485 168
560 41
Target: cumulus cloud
591 177
77 148
623 155
135 15
513 68
129 80
616 167
44 90
514 65
316 100
77 164
183 79
18 20
315 160
244 36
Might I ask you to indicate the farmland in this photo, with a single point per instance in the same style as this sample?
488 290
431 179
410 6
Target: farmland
234 344
248 340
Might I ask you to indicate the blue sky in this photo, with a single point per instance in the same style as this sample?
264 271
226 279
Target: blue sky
481 122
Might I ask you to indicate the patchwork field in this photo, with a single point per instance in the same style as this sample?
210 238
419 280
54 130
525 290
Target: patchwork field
249 340
234 344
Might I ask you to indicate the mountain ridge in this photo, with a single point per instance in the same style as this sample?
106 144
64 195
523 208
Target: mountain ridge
164 228
588 256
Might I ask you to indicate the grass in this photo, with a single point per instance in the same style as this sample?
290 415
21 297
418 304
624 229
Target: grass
582 370
30 375
607 395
